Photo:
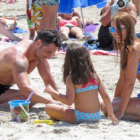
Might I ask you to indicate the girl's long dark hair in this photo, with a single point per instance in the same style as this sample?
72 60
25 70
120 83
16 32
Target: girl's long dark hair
78 63
125 19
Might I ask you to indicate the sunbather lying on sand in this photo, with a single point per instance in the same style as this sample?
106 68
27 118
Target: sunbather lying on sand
6 32
70 24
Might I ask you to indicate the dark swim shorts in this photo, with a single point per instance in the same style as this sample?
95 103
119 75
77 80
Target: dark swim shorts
3 88
47 2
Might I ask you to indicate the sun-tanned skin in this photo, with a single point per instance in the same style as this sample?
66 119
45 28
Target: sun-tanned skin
17 61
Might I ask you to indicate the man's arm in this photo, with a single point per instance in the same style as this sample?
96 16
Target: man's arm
131 10
45 73
106 15
19 68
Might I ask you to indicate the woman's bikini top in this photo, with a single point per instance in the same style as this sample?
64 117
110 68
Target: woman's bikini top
64 22
84 88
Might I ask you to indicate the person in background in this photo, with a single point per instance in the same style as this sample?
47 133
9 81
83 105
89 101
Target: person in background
34 17
68 24
49 9
6 32
104 37
137 4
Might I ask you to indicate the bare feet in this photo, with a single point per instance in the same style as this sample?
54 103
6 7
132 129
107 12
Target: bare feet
85 37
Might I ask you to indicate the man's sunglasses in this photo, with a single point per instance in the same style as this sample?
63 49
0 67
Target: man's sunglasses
113 30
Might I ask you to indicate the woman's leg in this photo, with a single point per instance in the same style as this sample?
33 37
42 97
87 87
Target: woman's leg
64 32
61 113
32 34
4 31
76 31
132 111
49 17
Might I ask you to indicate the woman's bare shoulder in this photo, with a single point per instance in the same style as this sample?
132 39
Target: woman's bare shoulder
137 45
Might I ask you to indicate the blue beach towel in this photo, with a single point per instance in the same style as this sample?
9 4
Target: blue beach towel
19 30
138 35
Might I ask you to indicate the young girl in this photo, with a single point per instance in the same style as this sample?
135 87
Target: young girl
83 85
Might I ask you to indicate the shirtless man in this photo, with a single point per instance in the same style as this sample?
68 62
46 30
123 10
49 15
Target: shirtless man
17 61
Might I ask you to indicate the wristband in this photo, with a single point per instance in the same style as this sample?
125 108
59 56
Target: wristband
111 116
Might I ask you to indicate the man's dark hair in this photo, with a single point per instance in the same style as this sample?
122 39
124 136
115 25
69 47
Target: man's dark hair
49 36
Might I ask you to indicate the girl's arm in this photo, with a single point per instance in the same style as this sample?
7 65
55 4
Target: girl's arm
131 73
70 92
107 101
120 84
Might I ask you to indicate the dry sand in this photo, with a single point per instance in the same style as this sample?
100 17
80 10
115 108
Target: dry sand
106 68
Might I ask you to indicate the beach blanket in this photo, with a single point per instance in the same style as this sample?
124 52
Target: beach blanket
93 52
138 35
6 39
91 28
19 30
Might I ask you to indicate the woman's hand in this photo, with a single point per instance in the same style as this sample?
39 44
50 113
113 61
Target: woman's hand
49 89
113 118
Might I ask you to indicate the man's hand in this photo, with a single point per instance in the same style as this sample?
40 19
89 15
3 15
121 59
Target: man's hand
49 89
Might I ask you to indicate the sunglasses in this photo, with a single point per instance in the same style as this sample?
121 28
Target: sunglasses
113 30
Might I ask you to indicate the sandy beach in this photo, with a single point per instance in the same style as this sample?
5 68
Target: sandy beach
108 70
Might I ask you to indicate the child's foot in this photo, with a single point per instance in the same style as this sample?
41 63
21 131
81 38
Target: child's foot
64 37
